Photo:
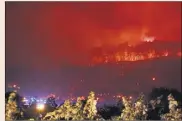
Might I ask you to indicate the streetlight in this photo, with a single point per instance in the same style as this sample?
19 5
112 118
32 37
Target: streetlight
40 107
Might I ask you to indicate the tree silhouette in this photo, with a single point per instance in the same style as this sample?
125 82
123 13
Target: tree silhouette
109 111
157 92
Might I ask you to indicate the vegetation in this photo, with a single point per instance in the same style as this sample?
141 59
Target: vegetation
162 104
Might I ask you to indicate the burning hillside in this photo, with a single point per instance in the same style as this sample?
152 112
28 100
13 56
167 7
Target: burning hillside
144 51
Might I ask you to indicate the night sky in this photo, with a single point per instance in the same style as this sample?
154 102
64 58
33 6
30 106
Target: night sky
41 38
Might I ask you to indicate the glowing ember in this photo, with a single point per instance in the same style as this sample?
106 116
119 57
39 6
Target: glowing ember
137 84
165 53
179 54
153 78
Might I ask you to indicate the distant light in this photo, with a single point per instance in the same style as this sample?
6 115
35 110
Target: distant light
25 100
14 85
119 96
82 98
40 106
130 97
